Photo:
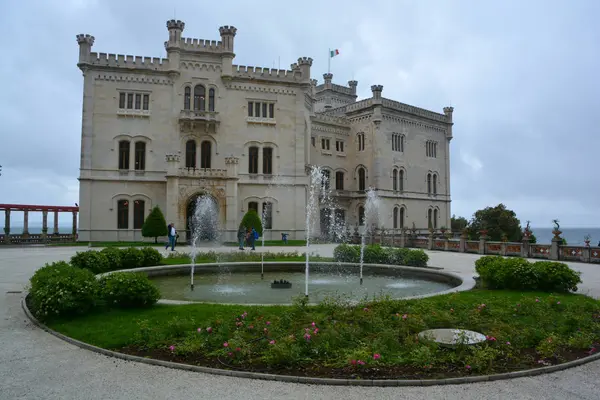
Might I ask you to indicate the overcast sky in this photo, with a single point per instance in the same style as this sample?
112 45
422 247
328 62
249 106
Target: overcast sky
522 76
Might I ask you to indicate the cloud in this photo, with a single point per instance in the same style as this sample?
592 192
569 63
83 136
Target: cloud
524 87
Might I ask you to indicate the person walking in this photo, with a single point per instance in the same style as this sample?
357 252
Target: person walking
241 236
168 236
172 236
253 237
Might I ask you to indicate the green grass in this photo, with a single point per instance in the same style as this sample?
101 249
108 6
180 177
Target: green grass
528 328
272 243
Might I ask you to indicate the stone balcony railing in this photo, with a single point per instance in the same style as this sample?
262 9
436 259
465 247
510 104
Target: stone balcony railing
199 116
203 172
37 238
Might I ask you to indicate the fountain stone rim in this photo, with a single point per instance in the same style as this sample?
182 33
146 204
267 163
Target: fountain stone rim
463 283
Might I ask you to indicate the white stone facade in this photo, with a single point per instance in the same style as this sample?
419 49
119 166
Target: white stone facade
163 131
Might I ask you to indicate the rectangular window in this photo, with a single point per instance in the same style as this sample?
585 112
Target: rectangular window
257 110
253 205
129 101
146 102
264 110
121 100
140 156
312 141
339 146
138 101
339 180
122 214
271 110
267 160
138 214
124 155
250 109
253 160
325 144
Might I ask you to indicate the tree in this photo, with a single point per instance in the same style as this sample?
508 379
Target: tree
498 221
155 225
458 224
252 220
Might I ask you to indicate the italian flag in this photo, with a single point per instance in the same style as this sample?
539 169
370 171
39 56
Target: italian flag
334 52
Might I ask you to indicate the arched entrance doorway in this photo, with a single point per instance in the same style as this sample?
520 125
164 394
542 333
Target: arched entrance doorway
202 218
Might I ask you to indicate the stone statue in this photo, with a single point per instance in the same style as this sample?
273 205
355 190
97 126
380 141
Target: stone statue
527 227
556 224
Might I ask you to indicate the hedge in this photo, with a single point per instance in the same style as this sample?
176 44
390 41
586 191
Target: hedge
375 254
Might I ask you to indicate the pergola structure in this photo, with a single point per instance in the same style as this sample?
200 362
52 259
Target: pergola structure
25 236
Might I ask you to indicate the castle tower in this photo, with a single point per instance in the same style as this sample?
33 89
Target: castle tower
328 77
227 38
353 84
173 45
85 47
376 90
305 63
448 111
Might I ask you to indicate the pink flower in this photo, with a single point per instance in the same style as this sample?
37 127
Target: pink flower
491 338
307 337
230 354
508 343
360 362
405 316
467 367
225 344
537 300
272 342
199 329
251 327
209 329
313 324
268 322
365 309
239 324
353 362
316 331
306 330
558 302
172 348
238 349
376 356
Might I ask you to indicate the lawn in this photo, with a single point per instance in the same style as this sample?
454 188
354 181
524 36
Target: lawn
370 340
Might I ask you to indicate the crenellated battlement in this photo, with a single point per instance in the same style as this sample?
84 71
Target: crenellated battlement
175 24
87 39
205 45
242 71
128 61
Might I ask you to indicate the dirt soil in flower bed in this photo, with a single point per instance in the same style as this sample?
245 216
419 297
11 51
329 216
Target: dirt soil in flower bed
352 372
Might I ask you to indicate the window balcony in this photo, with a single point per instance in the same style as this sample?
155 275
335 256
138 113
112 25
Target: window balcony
211 173
129 112
197 120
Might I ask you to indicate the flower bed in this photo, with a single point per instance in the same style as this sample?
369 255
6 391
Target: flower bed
373 340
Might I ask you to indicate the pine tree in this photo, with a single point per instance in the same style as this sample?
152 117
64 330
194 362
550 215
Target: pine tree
252 220
155 225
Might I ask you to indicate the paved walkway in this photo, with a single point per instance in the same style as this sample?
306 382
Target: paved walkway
36 365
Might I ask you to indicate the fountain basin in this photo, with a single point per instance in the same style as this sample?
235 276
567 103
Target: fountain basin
241 283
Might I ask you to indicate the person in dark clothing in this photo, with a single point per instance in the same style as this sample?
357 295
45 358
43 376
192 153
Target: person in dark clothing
251 238
241 236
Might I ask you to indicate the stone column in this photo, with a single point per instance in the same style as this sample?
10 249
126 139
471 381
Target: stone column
430 241
7 226
26 223
402 238
462 245
587 254
555 248
44 224
482 239
74 225
55 222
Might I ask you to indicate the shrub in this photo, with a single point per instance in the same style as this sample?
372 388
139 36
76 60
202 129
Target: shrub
128 290
519 274
155 225
252 220
132 257
113 256
59 289
375 254
151 256
92 260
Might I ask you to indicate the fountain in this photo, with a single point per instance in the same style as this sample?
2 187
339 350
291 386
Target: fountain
316 180
205 226
263 216
371 218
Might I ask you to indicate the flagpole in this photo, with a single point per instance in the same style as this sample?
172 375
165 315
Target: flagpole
329 61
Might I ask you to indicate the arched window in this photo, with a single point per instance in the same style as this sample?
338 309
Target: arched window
401 180
253 205
138 213
267 160
428 183
190 154
402 212
362 179
395 217
339 180
124 147
435 178
361 215
325 178
430 218
395 179
140 156
211 100
205 153
187 93
435 218
123 214
253 161
199 98
360 138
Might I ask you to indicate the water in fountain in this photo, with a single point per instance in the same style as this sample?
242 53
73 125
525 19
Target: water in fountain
315 184
371 220
268 210
205 227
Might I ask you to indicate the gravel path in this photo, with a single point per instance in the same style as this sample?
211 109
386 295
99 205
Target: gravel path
36 365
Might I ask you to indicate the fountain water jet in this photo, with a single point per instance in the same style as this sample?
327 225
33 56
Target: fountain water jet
205 226
371 219
316 180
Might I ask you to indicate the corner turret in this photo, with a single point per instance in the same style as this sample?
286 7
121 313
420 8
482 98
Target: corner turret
376 90
227 38
173 45
448 111
353 84
85 47
328 77
304 63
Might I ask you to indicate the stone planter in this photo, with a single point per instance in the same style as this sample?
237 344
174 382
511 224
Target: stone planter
281 285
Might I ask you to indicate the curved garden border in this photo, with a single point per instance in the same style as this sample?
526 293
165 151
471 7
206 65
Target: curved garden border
432 273
311 380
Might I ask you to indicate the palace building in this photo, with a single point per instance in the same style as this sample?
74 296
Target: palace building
163 131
